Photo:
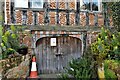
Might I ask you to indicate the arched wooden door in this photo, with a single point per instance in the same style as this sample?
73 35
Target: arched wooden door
54 59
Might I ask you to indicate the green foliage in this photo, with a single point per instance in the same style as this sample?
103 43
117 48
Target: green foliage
101 46
13 28
1 18
1 28
110 73
64 77
112 64
10 41
7 52
81 69
106 44
115 7
23 46
10 38
113 10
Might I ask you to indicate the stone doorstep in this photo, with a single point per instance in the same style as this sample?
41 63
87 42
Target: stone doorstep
49 75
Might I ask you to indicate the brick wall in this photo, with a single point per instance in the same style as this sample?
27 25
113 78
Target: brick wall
72 18
29 17
41 18
82 19
91 19
7 12
62 18
100 20
52 16
62 5
10 63
18 17
26 39
72 5
52 4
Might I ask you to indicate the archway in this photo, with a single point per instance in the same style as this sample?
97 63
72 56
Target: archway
53 59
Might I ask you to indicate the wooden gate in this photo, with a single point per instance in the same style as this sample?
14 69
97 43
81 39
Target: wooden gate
54 59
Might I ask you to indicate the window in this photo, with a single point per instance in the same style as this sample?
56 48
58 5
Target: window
21 3
36 3
91 5
25 4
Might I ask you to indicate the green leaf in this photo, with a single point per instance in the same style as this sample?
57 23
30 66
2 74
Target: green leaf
13 28
1 28
13 35
7 33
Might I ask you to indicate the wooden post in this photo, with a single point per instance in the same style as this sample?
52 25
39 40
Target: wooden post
77 20
84 41
87 18
105 15
12 12
46 10
67 14
96 19
57 10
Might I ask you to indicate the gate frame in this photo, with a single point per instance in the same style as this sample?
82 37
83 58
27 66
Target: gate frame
36 35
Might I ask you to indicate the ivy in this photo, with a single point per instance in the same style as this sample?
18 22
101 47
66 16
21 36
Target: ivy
114 11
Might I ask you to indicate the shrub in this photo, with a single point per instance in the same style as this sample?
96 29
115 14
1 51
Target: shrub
81 69
109 73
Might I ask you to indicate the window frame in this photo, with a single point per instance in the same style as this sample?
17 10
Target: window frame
91 2
18 5
29 4
32 5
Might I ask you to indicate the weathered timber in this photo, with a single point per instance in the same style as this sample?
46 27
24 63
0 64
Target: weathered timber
57 10
64 28
46 9
77 18
67 14
96 19
53 59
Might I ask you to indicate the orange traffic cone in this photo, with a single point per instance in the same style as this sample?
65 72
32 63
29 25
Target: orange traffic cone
33 73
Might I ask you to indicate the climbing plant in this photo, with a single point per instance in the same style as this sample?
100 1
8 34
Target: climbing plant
113 9
116 14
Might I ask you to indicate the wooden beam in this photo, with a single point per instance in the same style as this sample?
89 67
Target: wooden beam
96 19
77 18
46 10
67 14
57 13
87 19
63 28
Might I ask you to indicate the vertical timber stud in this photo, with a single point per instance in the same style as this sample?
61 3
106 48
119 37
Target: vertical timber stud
46 18
77 20
96 19
87 19
35 18
57 17
105 15
84 41
12 12
67 13
108 20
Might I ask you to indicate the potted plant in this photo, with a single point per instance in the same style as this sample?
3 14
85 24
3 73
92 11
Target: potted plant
23 49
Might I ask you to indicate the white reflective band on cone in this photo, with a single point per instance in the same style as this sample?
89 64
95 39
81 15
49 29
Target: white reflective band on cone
33 66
